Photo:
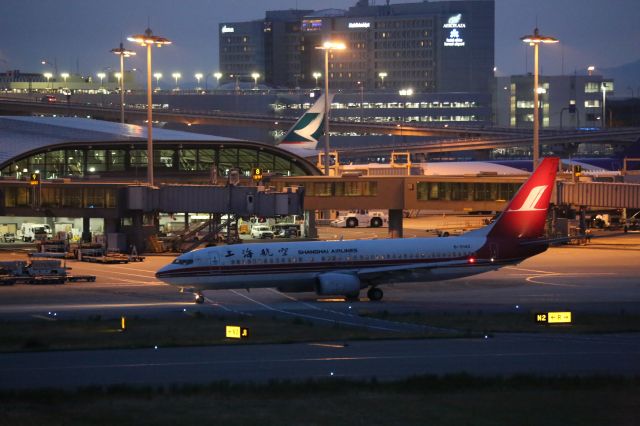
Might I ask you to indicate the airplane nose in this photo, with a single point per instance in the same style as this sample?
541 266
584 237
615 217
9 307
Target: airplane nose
162 273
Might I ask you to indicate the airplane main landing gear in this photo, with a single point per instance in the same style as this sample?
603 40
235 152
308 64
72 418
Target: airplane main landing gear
199 298
375 294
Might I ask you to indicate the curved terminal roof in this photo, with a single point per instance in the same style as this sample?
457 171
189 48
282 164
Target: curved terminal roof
23 140
467 168
19 135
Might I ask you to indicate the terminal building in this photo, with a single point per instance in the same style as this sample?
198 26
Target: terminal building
93 175
566 101
439 46
93 182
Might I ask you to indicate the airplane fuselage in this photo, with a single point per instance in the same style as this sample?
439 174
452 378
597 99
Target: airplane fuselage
297 266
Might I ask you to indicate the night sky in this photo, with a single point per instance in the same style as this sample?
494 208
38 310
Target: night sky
605 33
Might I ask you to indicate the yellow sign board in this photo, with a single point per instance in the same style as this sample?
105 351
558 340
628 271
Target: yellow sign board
237 332
554 317
34 178
256 173
559 317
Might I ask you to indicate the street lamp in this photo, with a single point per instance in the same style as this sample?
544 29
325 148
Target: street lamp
48 76
327 46
382 75
604 104
404 92
534 40
218 76
123 53
198 76
316 75
177 76
148 39
157 76
101 76
255 77
65 76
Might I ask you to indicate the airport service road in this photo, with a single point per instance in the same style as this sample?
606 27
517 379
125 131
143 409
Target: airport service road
386 360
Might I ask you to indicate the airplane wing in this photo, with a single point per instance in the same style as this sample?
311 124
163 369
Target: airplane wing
388 273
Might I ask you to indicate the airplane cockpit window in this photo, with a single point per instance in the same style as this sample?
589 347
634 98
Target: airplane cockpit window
179 261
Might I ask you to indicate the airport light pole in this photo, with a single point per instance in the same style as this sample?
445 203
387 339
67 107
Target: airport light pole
177 76
604 105
327 47
157 76
316 75
382 75
534 40
48 76
101 76
218 76
255 77
198 77
148 39
123 53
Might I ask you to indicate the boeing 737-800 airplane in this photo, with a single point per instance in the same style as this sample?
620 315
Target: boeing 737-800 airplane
345 267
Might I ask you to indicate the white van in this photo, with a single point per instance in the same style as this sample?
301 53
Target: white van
33 231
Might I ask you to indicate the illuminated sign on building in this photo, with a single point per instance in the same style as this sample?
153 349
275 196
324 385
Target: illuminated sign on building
359 24
453 27
226 29
311 24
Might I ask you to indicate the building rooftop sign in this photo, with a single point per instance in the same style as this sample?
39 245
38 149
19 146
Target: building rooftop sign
226 29
359 24
311 24
453 27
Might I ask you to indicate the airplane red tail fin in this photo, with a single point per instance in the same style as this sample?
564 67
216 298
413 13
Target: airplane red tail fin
526 213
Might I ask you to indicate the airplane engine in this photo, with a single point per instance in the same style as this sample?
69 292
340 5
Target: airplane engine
336 284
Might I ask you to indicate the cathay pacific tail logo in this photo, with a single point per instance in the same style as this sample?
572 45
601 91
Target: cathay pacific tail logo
309 129
534 196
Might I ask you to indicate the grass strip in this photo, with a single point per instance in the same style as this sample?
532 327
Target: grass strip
435 400
191 329
477 321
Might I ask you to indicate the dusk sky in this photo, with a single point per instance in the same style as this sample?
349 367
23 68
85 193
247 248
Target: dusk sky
605 33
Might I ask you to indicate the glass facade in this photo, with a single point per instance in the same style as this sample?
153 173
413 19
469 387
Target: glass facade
62 197
466 191
168 160
335 189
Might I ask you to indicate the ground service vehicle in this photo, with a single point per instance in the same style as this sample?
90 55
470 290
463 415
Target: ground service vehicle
287 230
261 231
33 231
345 267
361 218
